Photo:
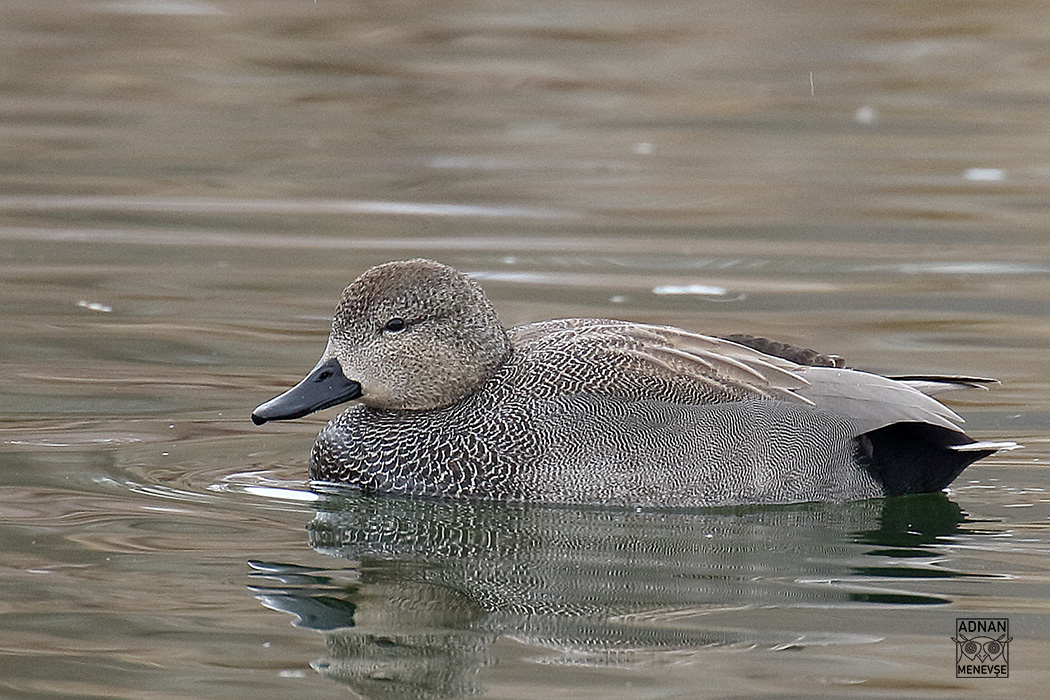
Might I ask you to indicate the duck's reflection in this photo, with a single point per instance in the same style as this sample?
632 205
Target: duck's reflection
431 585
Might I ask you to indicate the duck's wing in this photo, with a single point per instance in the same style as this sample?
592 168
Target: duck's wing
644 354
626 355
874 401
794 353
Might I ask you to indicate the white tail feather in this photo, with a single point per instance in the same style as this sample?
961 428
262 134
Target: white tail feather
986 445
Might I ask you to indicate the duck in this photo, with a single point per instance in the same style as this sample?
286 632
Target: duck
446 402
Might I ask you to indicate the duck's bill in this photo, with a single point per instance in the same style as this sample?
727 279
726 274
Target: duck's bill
325 386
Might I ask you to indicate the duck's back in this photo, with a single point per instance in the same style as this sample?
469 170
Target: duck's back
594 449
603 412
449 403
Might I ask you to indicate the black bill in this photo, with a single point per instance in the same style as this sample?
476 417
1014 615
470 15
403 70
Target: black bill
325 386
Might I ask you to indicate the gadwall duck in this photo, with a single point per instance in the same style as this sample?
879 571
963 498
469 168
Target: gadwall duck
449 403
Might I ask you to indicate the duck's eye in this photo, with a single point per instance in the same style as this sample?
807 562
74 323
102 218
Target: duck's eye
395 324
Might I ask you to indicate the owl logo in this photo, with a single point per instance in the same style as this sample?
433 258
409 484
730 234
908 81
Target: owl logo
981 648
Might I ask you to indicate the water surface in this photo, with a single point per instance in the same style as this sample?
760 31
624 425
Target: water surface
186 187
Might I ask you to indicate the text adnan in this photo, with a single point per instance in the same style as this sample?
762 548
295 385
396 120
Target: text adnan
982 626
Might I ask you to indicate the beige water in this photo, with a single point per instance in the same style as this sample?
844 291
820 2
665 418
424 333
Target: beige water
185 188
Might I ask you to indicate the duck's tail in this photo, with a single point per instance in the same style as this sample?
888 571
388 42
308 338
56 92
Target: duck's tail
931 384
986 445
922 458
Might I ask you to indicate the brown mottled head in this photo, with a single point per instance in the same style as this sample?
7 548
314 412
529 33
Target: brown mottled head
416 334
410 335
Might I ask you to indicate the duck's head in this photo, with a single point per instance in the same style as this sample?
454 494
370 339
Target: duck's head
410 335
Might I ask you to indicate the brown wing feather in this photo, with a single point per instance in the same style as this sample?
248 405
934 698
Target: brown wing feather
647 353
